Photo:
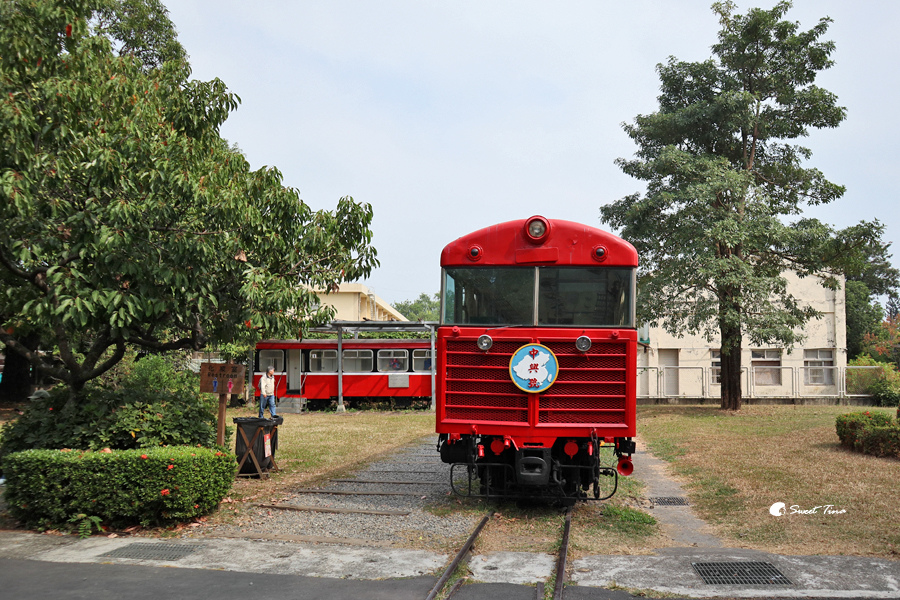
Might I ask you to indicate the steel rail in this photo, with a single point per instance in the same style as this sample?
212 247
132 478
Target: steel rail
561 560
459 556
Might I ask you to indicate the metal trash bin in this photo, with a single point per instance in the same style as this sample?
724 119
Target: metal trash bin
254 433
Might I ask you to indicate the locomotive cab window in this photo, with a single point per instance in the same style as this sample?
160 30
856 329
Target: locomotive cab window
358 361
323 361
271 358
422 360
488 296
393 360
564 296
589 296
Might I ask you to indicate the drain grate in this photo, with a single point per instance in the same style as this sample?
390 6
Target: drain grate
670 501
153 551
740 573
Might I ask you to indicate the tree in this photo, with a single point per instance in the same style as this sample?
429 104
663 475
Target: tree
723 181
140 28
128 221
423 308
883 343
864 317
865 260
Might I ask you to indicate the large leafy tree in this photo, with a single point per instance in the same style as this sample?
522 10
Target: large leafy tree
720 221
869 274
127 220
423 308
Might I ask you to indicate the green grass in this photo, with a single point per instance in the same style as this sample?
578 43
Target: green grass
736 465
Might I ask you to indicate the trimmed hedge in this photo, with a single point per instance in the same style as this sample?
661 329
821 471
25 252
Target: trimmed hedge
49 488
875 433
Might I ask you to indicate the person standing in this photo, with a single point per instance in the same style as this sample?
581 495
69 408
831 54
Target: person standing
267 392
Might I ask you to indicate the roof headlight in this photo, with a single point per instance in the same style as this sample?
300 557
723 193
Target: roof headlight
537 229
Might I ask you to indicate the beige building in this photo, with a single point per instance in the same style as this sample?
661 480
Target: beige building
689 367
356 302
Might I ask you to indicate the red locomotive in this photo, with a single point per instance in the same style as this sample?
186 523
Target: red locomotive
536 359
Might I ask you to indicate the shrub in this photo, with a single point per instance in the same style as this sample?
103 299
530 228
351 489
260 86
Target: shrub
850 424
875 433
880 440
882 383
54 488
147 404
885 393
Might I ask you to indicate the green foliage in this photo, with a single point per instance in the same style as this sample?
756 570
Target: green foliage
147 404
54 488
125 219
717 226
84 524
424 308
863 316
140 28
881 380
875 433
885 392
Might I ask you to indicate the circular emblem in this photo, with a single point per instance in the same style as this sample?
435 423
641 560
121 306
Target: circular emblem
533 368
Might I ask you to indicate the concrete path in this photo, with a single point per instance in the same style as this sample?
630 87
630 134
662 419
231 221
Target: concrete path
46 566
678 522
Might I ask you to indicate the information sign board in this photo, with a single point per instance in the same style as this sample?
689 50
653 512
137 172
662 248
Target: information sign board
222 378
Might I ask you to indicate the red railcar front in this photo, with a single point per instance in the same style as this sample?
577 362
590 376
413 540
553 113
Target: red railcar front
537 353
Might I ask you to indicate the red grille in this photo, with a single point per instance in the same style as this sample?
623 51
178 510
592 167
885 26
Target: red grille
488 400
487 414
590 388
582 418
492 373
481 387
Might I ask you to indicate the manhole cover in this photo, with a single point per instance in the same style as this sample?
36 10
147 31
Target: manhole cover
740 573
670 501
153 551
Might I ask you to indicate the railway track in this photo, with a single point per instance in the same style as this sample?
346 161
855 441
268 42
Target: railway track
558 577
384 504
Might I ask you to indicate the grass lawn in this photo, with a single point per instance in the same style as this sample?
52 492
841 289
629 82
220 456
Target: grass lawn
736 465
316 446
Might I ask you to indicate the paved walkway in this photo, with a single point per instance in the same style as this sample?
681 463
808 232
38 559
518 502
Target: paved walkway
275 567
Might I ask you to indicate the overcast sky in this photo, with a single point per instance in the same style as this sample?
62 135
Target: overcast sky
448 116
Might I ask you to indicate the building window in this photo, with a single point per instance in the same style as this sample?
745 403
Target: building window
766 366
422 360
358 361
323 361
715 372
818 367
393 360
271 358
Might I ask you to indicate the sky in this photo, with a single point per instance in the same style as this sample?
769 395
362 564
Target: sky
448 117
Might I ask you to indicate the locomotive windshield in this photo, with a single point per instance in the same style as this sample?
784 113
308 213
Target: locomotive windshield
563 296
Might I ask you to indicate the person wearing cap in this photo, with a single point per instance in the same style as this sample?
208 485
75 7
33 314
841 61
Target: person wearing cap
267 392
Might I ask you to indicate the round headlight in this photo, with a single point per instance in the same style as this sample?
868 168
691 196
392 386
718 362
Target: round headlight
537 229
583 343
485 342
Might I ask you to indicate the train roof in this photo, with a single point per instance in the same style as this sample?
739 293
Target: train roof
560 243
349 344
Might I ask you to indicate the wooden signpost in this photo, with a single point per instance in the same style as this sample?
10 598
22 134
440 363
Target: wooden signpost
223 379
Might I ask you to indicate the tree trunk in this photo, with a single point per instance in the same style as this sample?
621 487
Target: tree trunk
731 340
731 376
